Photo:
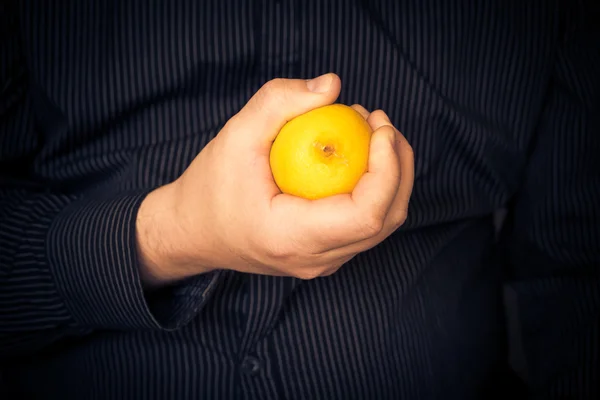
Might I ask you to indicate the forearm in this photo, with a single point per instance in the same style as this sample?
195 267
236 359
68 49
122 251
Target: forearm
69 260
161 241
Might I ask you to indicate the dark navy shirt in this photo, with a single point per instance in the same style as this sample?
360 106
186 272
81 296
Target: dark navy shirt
103 101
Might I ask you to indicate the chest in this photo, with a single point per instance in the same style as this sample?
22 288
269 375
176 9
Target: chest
462 81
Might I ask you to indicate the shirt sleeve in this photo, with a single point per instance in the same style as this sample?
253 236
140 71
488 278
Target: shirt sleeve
68 258
552 237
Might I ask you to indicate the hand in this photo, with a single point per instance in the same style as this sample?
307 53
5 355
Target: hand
226 212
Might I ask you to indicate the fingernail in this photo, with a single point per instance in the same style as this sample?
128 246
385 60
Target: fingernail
320 84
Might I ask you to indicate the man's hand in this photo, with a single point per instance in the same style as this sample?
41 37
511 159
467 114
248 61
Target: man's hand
226 212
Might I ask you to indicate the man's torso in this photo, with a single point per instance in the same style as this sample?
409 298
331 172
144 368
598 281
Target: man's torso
418 316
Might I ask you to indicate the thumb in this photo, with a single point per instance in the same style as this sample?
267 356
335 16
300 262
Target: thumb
280 100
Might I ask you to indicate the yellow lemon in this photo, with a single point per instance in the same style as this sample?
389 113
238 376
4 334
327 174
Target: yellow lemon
321 153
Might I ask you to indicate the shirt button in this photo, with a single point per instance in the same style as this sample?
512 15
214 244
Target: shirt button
251 365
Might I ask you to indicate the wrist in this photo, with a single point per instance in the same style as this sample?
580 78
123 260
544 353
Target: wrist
161 241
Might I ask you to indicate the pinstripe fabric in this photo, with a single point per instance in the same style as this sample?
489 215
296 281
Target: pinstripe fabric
103 101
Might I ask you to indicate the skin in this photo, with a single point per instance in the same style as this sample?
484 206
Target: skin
185 228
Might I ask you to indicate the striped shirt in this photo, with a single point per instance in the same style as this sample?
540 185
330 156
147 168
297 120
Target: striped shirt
103 101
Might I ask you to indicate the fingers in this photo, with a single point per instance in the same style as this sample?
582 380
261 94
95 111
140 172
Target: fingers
318 224
280 100
398 211
341 220
376 190
407 178
378 118
339 227
404 151
361 110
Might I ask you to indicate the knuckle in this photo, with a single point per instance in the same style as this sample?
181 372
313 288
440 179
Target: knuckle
277 252
273 88
361 110
332 270
272 95
379 114
307 274
335 267
372 225
400 217
232 125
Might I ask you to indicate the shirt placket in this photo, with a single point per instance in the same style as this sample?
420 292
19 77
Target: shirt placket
277 30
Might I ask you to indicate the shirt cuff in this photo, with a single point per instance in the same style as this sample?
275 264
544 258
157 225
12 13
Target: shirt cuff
93 257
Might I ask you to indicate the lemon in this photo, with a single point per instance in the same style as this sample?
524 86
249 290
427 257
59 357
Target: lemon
321 153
